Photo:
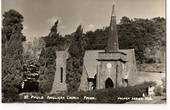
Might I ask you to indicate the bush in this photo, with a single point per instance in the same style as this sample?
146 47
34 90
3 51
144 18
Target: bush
158 90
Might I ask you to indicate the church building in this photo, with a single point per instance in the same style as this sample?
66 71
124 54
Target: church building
102 69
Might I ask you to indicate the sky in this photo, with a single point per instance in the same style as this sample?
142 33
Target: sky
39 15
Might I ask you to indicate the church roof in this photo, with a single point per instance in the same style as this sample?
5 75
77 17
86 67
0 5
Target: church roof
91 56
90 61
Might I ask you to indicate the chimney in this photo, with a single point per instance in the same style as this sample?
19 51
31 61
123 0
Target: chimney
112 44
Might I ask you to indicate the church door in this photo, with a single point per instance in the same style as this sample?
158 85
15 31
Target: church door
109 83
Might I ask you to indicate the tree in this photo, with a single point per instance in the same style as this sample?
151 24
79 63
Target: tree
139 34
142 34
54 31
47 69
12 49
125 20
74 65
47 59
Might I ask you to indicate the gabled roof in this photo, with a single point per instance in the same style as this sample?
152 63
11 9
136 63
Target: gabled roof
91 56
90 62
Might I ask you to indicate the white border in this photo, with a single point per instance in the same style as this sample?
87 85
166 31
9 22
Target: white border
95 106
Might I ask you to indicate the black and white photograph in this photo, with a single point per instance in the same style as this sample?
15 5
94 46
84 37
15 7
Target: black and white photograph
83 51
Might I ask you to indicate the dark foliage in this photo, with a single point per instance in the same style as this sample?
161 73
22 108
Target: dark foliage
74 66
138 34
47 59
12 59
47 69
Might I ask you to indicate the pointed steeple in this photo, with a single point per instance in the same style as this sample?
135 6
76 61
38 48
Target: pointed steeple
113 8
112 44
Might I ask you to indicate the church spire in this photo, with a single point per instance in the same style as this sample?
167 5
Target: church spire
112 44
113 9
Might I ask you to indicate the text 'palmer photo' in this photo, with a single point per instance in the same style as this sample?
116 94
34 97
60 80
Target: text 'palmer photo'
83 51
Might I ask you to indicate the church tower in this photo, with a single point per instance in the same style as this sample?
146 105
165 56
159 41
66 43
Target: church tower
110 63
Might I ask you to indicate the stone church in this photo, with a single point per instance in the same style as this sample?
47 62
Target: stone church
102 69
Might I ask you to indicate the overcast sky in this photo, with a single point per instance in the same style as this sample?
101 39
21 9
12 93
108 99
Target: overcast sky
39 15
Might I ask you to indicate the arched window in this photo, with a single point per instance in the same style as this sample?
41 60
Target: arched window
61 74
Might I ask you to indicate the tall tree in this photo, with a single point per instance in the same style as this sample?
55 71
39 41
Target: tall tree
12 49
47 59
74 66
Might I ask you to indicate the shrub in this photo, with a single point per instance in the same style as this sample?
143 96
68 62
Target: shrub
158 90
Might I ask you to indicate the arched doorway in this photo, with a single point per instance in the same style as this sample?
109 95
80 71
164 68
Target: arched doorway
109 83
